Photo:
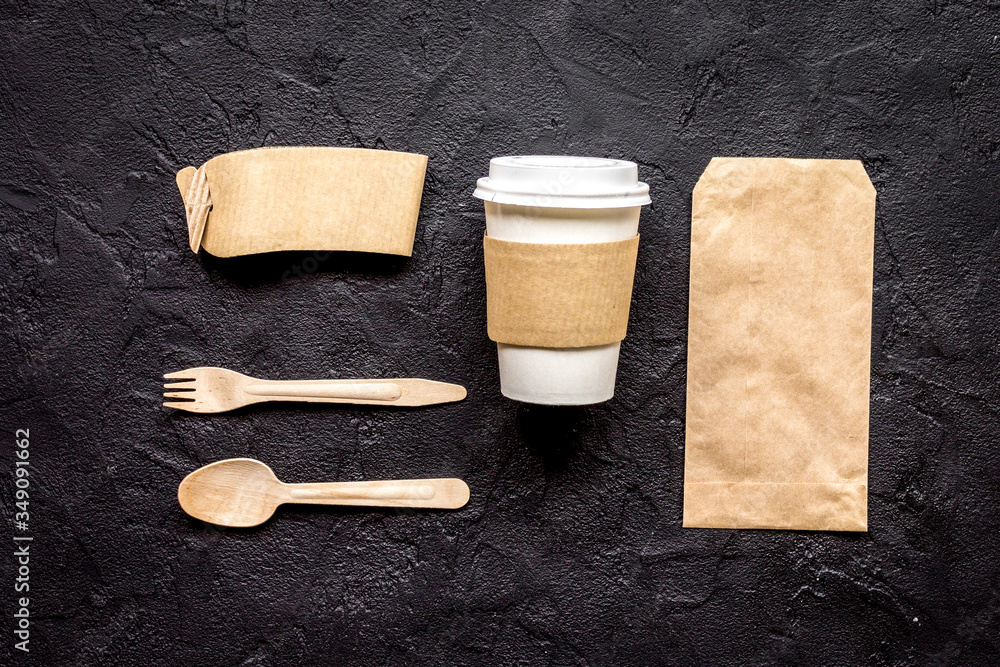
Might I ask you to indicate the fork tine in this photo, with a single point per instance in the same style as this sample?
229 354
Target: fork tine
179 394
185 374
184 384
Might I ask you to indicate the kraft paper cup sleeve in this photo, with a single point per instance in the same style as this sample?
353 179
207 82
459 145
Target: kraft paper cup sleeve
779 345
304 198
558 295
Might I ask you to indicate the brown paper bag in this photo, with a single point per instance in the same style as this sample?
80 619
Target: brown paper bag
779 345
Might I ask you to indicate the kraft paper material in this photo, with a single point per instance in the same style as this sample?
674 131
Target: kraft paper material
558 295
779 345
304 198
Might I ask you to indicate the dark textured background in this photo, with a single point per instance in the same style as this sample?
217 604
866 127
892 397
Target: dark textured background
570 551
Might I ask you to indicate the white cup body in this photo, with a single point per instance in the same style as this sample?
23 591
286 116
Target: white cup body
559 376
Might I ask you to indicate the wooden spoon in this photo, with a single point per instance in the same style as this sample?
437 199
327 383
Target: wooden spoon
244 492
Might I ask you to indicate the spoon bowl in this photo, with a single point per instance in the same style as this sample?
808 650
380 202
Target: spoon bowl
234 492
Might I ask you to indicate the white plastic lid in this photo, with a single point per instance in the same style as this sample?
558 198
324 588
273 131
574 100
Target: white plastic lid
562 181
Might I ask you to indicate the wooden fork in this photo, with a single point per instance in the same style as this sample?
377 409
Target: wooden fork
209 389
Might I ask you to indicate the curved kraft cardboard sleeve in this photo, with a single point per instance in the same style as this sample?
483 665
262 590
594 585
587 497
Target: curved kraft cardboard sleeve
558 295
779 345
304 198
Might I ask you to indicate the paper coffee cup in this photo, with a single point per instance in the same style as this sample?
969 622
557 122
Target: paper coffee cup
560 199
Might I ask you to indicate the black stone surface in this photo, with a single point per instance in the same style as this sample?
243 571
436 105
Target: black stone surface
570 551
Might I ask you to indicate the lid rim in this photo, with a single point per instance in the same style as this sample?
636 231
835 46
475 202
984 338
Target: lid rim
562 201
